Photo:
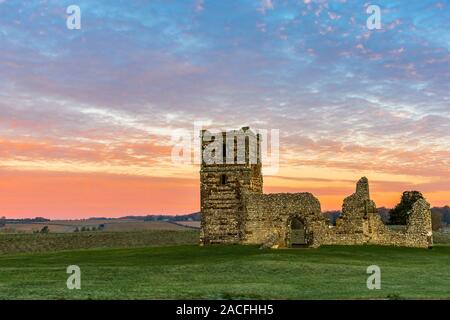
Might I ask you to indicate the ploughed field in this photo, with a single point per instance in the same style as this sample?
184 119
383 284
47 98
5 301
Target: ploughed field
174 267
106 225
53 242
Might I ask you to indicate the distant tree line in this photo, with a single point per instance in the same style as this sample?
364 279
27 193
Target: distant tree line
27 220
186 217
440 217
444 212
163 217
85 229
332 216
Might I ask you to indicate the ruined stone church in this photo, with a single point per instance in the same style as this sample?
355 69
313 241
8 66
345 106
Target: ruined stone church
236 211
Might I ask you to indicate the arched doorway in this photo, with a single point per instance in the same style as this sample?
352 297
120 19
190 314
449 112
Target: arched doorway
298 237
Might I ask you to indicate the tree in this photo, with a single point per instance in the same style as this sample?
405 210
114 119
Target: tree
44 230
2 222
399 215
436 220
445 213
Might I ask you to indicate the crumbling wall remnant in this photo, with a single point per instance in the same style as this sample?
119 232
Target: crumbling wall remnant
361 224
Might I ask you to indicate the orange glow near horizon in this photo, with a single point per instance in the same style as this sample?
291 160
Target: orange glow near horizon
70 196
62 195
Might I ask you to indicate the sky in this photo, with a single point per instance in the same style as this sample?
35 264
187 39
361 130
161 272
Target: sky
87 116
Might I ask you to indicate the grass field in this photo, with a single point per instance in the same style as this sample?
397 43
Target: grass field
228 272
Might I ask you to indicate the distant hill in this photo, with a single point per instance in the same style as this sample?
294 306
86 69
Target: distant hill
27 220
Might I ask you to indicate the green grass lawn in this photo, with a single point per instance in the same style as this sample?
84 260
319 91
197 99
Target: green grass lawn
223 272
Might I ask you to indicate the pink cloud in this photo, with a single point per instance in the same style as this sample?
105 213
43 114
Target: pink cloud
266 5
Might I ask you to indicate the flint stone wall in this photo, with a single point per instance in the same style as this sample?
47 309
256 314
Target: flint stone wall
221 204
269 215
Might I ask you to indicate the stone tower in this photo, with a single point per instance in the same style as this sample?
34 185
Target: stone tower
231 163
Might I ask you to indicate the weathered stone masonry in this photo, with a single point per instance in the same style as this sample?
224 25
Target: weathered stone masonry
235 210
